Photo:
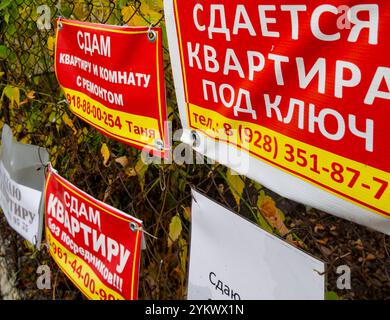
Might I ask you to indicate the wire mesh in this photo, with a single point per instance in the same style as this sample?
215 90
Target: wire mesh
161 191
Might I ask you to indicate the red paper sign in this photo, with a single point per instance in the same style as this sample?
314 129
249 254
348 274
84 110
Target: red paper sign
302 87
113 79
95 245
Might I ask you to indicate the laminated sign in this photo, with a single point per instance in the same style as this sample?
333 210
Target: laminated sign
112 77
294 95
95 245
233 259
22 180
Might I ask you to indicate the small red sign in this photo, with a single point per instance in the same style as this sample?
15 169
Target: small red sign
302 87
113 78
95 245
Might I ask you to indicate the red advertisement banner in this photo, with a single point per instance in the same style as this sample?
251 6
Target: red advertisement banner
301 87
94 244
113 78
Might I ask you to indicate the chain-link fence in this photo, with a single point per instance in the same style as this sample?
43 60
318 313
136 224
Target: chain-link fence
32 104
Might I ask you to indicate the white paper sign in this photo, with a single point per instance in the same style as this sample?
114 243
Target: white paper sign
21 186
20 205
232 259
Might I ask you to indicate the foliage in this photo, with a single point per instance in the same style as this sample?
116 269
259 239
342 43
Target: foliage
331 295
159 194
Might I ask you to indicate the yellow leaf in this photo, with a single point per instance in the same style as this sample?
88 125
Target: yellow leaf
54 155
272 214
69 122
183 254
123 161
175 228
258 186
156 5
187 213
130 172
134 18
236 185
13 94
25 140
81 11
31 94
105 153
267 206
50 44
29 245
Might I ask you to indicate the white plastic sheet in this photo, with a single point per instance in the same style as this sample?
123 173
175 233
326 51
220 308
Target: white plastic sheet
231 259
22 180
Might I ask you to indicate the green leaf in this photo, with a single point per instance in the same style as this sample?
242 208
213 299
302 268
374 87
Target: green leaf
6 17
236 185
331 295
3 52
4 4
11 29
140 169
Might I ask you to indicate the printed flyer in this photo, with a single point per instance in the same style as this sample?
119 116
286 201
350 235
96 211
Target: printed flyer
233 259
285 94
95 245
113 79
22 181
